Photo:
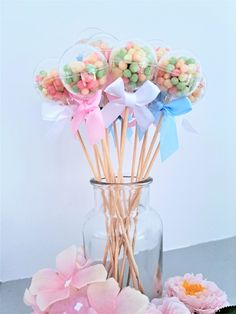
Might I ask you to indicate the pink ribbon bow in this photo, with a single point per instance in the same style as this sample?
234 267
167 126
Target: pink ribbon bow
88 110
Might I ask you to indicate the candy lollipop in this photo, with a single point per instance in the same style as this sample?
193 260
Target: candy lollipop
48 82
198 93
83 70
103 42
178 74
160 48
135 62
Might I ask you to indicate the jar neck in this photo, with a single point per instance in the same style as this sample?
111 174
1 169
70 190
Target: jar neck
127 197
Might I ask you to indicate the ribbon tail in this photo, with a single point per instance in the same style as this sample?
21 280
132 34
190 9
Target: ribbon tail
168 137
111 112
55 112
76 121
95 126
140 133
144 117
129 133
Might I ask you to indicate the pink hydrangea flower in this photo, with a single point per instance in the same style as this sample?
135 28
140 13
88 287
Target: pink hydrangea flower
199 295
107 298
170 305
49 286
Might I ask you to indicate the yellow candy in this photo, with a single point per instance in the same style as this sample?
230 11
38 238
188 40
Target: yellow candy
137 57
131 51
85 91
117 72
167 83
102 80
122 65
77 66
44 91
98 64
142 77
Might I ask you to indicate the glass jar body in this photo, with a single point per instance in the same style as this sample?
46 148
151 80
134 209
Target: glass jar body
125 234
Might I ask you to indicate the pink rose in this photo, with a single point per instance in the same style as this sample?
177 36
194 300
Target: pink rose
199 295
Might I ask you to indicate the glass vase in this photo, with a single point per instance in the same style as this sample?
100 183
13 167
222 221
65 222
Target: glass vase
125 234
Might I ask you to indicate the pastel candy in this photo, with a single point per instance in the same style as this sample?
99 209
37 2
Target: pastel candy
136 61
177 76
84 76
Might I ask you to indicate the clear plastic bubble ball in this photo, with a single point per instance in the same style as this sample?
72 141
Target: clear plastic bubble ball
135 62
199 92
178 74
103 42
48 82
83 70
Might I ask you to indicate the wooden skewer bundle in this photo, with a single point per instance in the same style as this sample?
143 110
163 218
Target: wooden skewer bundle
120 204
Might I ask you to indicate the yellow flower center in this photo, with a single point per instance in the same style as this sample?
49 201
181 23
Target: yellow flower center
192 288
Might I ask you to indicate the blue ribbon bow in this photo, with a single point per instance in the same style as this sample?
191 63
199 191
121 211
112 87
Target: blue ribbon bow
168 132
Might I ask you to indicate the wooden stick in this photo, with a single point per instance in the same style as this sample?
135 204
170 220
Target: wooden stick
87 154
134 154
122 144
141 154
100 161
153 141
152 161
116 141
97 161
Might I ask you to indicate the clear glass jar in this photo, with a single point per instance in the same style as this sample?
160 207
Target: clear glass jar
125 234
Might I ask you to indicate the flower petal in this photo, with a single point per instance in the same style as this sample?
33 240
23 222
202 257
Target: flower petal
102 296
29 299
89 275
131 301
47 298
45 279
66 261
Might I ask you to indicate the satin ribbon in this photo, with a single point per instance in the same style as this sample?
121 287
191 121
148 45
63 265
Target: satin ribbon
168 132
88 110
137 102
129 132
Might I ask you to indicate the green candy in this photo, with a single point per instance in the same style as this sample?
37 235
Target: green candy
174 80
134 78
68 72
43 73
148 71
183 77
75 89
170 67
66 68
100 73
127 73
90 68
128 58
180 86
121 53
134 67
75 78
173 60
68 80
190 61
132 85
40 87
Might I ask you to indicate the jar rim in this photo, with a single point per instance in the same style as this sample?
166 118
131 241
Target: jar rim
103 183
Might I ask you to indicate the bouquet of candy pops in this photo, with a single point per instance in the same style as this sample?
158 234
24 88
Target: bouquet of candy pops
114 87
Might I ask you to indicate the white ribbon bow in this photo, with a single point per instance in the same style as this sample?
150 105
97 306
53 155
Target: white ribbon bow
137 102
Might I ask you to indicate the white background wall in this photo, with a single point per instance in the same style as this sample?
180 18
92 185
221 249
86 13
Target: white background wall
45 189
